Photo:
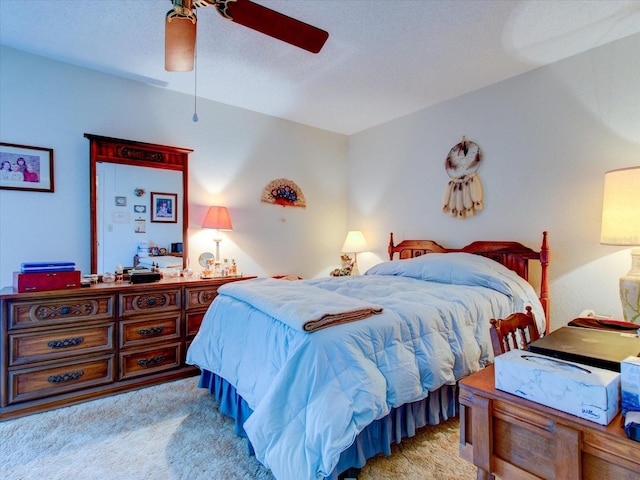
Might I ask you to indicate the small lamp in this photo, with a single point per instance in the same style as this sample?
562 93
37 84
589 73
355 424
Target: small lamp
621 226
354 243
218 218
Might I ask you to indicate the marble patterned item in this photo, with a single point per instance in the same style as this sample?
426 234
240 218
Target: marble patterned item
587 392
630 384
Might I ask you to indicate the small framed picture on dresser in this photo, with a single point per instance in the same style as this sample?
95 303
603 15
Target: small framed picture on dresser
26 168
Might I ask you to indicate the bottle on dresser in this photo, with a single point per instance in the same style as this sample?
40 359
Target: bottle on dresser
119 275
225 268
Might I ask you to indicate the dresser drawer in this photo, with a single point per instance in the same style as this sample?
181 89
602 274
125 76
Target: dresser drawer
194 320
145 362
32 383
43 312
200 297
160 328
150 302
60 344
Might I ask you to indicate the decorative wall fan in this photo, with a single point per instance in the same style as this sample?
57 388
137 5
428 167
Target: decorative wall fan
284 192
180 28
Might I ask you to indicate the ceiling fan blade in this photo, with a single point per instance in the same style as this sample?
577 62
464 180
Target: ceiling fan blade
179 43
274 24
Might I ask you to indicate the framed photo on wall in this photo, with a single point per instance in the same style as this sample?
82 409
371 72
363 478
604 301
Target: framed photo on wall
26 168
164 207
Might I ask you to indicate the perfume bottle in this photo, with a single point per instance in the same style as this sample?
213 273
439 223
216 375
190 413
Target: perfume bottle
225 268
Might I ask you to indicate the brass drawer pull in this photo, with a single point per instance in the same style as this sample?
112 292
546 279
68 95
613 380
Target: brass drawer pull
65 377
152 361
66 343
147 332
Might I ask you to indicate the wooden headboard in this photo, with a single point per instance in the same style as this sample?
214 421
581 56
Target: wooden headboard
512 255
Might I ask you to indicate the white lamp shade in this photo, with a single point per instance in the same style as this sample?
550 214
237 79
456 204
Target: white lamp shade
621 207
354 243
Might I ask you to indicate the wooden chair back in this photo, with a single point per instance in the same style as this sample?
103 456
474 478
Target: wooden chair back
514 332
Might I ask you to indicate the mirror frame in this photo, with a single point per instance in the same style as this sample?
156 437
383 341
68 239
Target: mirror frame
128 152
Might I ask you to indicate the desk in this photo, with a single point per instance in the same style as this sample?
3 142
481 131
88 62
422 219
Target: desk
516 439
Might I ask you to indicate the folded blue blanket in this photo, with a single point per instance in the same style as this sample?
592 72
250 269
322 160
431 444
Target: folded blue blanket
301 306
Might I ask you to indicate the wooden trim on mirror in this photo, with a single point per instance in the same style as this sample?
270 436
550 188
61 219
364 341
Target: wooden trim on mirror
128 152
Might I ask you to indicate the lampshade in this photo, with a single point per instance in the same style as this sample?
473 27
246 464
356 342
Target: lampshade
621 207
621 226
218 218
354 243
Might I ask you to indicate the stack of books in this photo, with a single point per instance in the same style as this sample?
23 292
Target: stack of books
40 276
42 267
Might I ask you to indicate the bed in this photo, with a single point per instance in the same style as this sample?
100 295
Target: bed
314 404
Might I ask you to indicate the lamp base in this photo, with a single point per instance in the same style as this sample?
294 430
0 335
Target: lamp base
630 289
217 240
354 270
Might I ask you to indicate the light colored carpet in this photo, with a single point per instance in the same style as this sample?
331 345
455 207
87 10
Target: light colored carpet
175 431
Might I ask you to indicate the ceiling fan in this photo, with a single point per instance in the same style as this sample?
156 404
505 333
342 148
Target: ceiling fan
180 28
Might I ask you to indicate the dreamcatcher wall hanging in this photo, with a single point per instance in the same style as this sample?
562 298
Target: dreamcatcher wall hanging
283 192
463 195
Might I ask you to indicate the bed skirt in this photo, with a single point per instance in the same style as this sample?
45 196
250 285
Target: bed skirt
377 437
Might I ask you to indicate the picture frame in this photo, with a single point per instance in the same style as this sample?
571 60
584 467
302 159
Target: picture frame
121 201
120 217
141 225
23 167
164 207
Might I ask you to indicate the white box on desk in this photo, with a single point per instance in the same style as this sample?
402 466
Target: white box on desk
587 392
630 384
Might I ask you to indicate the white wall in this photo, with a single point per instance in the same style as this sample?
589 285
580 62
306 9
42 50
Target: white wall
547 137
236 153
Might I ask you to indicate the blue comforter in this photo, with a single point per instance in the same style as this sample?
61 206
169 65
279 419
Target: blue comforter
312 393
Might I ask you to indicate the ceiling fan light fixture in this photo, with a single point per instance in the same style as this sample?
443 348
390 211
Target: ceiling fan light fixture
179 41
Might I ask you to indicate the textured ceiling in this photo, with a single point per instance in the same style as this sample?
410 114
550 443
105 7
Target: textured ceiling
383 59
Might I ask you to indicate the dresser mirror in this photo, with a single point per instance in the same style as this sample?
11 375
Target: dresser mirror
139 204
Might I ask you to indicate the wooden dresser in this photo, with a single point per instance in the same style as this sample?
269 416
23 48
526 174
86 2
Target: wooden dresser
63 347
515 439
